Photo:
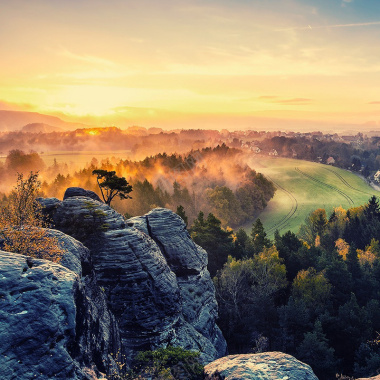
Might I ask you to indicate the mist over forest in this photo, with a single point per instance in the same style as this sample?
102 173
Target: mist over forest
210 180
296 293
201 170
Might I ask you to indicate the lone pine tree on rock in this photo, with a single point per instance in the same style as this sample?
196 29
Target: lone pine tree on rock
111 185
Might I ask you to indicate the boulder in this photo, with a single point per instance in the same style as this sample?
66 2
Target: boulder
154 276
50 325
79 192
54 318
263 366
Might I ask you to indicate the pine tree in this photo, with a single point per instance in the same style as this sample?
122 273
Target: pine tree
181 212
214 239
111 185
353 264
315 351
259 237
372 209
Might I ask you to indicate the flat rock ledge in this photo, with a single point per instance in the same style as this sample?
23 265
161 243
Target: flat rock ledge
263 366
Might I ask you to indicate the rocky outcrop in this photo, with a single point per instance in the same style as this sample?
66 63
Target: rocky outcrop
263 366
153 275
53 322
79 192
189 262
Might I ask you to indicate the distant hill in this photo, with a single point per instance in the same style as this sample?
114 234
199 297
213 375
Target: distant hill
40 127
16 120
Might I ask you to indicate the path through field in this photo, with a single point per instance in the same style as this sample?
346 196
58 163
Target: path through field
304 186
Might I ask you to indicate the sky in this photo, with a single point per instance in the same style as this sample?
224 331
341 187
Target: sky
227 63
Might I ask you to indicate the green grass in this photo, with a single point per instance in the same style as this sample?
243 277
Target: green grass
304 186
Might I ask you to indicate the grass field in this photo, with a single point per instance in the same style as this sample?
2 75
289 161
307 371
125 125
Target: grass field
304 186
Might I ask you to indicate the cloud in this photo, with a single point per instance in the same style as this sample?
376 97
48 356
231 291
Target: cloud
294 101
345 2
290 101
86 58
311 27
374 102
268 97
9 106
95 74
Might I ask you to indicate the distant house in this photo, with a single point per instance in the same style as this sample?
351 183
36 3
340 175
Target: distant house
255 149
273 152
376 177
245 145
330 161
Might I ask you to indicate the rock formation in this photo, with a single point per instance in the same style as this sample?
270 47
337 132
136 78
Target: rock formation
54 321
79 192
267 365
121 287
153 275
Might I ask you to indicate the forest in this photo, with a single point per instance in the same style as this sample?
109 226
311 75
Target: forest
314 295
358 152
210 180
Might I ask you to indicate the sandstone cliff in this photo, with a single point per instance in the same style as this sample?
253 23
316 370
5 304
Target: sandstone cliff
152 274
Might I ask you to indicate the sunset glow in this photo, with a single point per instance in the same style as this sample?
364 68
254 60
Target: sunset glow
161 63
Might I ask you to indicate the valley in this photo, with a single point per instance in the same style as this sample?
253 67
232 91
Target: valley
302 187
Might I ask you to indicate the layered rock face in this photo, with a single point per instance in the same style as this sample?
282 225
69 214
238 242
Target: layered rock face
54 321
267 365
79 192
153 275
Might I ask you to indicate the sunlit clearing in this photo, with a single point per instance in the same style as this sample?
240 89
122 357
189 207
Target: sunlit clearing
93 132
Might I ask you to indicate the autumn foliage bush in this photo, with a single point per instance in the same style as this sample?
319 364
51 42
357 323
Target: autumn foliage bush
22 227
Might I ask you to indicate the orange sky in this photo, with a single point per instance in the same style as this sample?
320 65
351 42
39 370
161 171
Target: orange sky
193 62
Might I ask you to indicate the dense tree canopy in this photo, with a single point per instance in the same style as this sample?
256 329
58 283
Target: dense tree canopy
315 295
217 241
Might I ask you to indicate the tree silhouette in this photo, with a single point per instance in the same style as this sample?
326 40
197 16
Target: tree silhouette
259 237
181 212
111 185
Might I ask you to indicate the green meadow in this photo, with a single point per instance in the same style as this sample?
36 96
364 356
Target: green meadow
304 186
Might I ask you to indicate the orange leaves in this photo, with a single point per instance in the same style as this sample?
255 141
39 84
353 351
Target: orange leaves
22 225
